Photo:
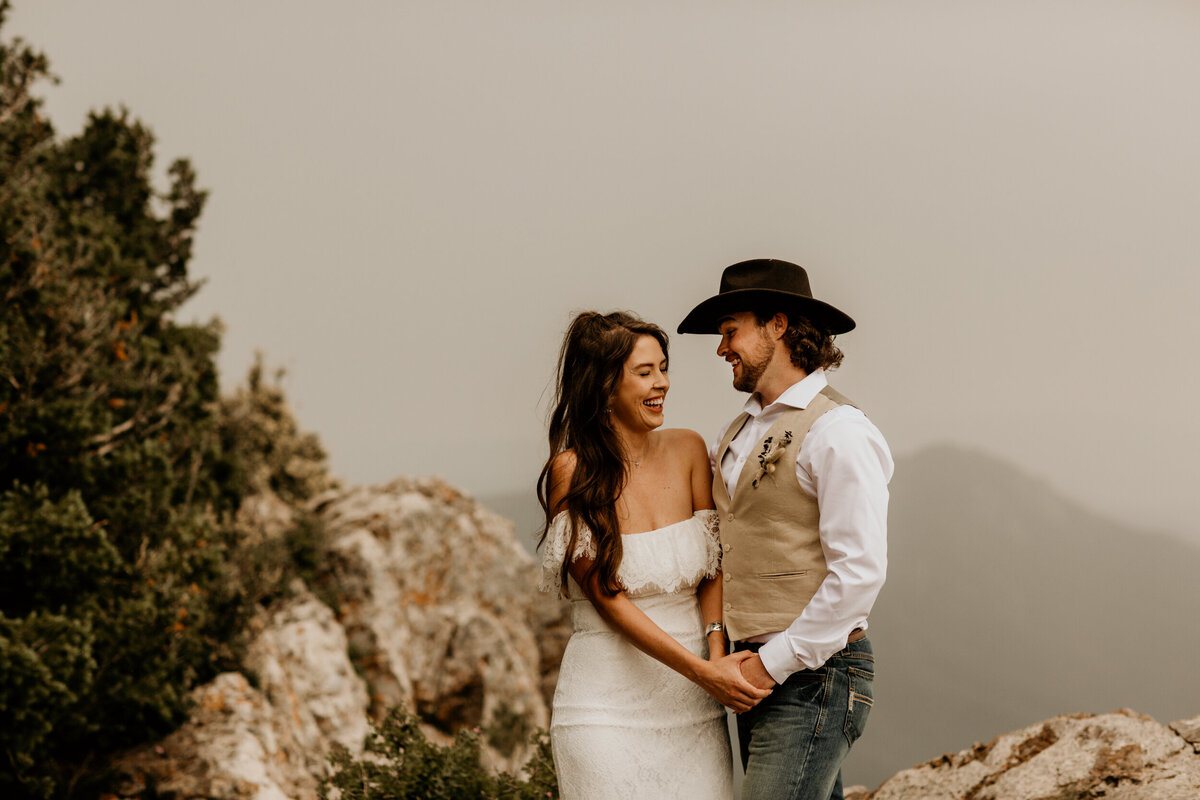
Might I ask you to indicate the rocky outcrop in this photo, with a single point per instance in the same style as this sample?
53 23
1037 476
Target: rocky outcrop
270 741
437 612
439 604
1117 756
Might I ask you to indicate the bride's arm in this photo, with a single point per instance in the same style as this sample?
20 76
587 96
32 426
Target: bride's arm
709 594
709 591
722 679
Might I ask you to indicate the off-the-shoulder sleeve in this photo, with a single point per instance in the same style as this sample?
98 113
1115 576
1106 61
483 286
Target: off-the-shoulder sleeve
709 520
554 550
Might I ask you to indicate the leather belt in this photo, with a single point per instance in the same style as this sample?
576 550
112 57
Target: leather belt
855 635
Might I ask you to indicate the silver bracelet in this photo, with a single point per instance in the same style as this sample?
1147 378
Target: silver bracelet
713 627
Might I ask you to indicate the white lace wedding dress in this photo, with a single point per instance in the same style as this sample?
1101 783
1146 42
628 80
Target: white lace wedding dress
624 725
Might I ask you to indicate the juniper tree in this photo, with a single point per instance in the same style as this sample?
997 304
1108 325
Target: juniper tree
116 590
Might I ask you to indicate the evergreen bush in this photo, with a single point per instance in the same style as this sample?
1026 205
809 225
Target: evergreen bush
401 764
121 469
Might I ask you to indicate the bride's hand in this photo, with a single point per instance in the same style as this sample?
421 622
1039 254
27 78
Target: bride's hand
724 681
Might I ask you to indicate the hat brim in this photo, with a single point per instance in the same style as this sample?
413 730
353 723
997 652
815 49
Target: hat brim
704 317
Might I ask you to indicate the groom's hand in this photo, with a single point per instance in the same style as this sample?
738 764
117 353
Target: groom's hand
725 682
754 672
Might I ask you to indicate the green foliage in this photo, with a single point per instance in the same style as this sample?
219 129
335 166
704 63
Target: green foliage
46 660
508 731
266 453
402 765
121 470
273 454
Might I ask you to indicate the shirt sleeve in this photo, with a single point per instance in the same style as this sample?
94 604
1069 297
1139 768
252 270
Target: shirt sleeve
845 462
712 449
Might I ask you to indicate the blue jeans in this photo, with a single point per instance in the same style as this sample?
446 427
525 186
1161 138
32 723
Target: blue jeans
794 742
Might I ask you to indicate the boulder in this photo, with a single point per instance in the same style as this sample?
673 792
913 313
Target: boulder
437 612
1119 756
1189 729
264 742
440 606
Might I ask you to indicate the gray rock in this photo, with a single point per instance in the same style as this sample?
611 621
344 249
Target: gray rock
266 743
437 608
440 605
1117 756
1189 729
302 662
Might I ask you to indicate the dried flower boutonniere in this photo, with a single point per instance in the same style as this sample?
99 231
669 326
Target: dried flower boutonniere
771 452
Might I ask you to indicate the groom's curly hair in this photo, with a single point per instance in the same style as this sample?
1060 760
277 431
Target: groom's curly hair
590 364
811 346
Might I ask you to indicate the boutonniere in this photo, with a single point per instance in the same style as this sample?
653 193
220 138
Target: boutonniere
771 452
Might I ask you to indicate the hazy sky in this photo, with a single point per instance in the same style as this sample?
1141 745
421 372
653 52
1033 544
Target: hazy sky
410 199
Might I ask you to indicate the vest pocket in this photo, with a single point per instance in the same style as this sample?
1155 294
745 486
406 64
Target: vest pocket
769 575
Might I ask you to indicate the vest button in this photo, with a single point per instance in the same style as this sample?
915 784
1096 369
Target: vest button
728 606
727 547
729 516
728 577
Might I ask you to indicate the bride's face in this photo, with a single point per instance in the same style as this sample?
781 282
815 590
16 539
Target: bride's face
638 402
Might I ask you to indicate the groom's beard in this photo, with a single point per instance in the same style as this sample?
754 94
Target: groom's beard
753 370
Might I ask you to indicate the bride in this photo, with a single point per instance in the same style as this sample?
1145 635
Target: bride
631 535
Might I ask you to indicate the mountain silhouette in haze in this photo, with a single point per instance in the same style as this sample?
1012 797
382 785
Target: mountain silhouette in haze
1006 603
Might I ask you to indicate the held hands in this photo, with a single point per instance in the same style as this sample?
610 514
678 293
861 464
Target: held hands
754 671
725 680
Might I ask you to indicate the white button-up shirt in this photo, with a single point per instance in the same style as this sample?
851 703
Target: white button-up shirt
845 464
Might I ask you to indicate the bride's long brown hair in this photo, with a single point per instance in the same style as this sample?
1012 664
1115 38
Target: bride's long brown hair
590 364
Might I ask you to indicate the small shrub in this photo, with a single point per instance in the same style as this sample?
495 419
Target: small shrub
400 764
508 731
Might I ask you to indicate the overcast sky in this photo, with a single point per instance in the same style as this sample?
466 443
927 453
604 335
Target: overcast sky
410 199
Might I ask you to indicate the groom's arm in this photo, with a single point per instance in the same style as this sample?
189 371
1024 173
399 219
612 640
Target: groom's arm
849 467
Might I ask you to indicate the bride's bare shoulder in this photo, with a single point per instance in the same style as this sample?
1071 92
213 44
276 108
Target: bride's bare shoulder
684 444
562 469
563 464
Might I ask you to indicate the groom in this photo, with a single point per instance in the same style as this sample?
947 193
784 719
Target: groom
800 481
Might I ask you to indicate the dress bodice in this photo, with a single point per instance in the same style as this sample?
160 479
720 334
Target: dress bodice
667 560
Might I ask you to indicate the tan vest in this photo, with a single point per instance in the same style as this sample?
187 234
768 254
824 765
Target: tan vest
772 560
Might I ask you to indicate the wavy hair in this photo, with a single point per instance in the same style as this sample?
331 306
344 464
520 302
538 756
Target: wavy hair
590 364
810 347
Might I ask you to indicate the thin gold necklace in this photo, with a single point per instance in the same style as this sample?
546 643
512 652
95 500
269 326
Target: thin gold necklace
637 462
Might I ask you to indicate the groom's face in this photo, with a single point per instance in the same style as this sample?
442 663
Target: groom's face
747 347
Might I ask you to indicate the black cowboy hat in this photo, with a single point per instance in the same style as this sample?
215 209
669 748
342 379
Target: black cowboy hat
765 282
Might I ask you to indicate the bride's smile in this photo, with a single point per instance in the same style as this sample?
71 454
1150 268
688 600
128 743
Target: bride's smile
640 398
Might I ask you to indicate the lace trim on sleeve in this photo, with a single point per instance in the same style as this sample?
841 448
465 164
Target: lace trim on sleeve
710 521
554 550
